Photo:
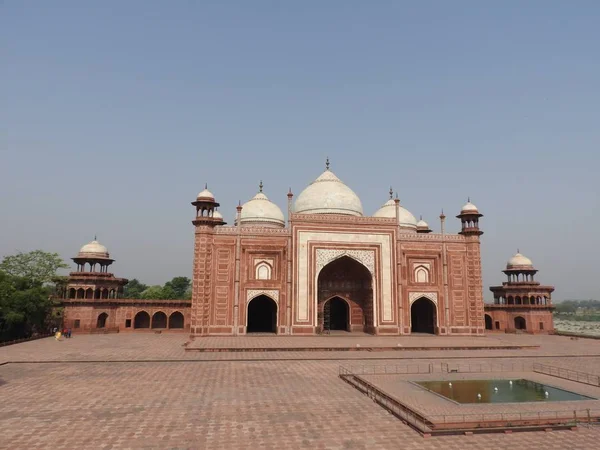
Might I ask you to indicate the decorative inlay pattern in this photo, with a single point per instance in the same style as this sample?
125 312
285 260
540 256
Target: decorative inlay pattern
272 293
416 295
365 257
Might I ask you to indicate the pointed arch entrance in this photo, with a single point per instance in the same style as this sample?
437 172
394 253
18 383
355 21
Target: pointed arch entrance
520 323
345 296
101 322
488 322
423 316
262 315
336 314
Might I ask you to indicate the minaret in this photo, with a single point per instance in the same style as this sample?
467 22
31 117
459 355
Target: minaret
469 217
207 218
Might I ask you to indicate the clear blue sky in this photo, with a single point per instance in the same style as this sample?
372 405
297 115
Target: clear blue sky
114 114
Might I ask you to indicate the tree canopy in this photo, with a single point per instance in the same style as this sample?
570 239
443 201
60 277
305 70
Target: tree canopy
37 267
179 288
134 289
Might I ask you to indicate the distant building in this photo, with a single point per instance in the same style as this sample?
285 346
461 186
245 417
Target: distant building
521 303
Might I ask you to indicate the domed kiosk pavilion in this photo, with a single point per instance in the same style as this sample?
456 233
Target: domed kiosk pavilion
521 304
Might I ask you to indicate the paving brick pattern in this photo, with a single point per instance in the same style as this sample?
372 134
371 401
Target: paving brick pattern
221 401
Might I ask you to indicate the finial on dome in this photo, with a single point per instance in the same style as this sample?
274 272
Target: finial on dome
327 163
469 199
260 186
420 216
391 193
205 185
397 196
95 237
518 251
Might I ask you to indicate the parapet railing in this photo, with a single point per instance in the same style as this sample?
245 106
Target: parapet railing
485 367
389 369
567 374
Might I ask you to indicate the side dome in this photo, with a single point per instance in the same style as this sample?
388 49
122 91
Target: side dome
328 195
519 261
260 211
405 217
93 249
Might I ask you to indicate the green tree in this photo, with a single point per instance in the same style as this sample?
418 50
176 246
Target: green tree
134 289
153 293
179 285
38 267
25 307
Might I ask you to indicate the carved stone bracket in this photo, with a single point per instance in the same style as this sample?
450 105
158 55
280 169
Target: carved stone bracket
271 293
413 296
365 257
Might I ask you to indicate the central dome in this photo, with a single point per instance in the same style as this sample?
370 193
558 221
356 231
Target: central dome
328 195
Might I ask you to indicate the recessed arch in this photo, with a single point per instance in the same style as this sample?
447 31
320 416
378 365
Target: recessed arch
263 271
141 320
159 320
176 320
347 278
101 321
421 274
261 315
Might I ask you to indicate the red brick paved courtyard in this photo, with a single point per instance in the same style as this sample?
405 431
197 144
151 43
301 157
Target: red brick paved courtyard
145 391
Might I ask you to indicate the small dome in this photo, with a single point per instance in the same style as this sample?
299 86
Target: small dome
206 194
328 195
405 218
217 215
261 211
469 208
93 249
519 262
422 224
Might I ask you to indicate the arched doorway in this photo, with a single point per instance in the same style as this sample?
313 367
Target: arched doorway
423 316
101 322
488 322
159 320
336 314
346 278
520 323
141 320
176 320
262 315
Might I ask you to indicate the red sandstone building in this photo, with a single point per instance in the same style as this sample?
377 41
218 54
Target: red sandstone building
521 303
328 267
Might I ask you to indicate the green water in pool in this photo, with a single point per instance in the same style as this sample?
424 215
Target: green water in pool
499 391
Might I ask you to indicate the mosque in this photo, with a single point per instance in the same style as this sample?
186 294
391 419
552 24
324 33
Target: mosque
327 268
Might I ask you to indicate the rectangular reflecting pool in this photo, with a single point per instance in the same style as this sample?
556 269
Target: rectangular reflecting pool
499 391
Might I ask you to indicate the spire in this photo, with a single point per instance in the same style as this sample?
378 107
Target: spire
260 186
421 217
327 163
391 193
469 199
518 251
205 185
95 237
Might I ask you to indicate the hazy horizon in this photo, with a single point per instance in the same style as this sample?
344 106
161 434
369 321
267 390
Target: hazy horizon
115 114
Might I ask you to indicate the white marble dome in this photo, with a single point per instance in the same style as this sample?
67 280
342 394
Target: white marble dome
217 215
206 194
405 217
519 261
422 224
469 208
328 195
260 211
93 249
